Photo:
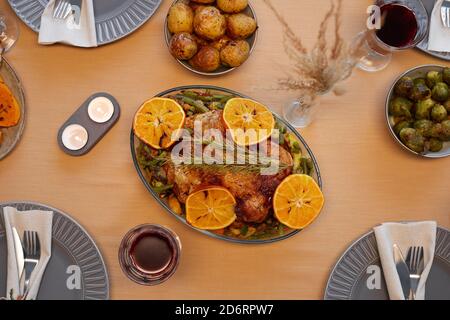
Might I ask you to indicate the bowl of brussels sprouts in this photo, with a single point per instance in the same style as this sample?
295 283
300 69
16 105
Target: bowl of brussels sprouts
418 111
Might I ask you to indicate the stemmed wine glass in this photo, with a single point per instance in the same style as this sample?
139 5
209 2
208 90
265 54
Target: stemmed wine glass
9 33
403 24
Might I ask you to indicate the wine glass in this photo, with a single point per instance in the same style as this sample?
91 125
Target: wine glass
9 33
403 24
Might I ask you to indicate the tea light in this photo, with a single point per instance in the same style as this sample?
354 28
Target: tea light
75 137
101 109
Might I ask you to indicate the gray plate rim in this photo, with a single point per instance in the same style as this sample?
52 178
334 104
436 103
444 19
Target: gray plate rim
181 219
422 47
100 43
72 220
350 247
23 116
168 37
429 155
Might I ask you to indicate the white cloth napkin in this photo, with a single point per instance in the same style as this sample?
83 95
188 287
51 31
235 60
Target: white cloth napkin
439 38
68 31
405 235
39 221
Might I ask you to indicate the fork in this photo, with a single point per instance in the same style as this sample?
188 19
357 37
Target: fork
415 262
32 254
61 9
445 13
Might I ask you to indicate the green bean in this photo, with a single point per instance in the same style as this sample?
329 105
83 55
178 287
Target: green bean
197 104
162 188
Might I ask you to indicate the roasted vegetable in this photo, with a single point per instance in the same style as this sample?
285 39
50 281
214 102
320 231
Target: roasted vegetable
433 77
404 87
446 76
438 113
235 53
400 107
207 59
240 26
209 23
232 6
423 109
180 18
183 46
423 127
435 145
440 92
401 125
420 92
413 139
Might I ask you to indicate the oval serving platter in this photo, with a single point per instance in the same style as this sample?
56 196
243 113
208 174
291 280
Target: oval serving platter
416 72
222 70
306 151
12 136
114 19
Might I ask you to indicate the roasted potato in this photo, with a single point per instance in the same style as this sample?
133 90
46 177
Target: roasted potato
232 6
207 59
235 53
209 23
203 1
220 43
240 26
180 18
183 46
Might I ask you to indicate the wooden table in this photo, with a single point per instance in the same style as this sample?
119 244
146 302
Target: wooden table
368 178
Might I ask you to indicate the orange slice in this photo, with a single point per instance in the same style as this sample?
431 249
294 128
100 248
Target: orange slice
249 122
298 201
9 108
157 120
211 208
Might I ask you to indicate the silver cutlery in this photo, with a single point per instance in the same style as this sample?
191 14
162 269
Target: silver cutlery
63 8
445 13
32 251
415 261
18 248
403 271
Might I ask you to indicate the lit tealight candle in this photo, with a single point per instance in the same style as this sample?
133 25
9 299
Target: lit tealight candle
75 137
101 109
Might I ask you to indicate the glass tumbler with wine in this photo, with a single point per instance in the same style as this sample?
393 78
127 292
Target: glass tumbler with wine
398 25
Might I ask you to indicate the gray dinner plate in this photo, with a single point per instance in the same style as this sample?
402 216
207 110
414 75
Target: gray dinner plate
429 5
11 136
72 249
361 261
114 19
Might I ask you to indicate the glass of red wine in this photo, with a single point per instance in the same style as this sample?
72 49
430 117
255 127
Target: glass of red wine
402 25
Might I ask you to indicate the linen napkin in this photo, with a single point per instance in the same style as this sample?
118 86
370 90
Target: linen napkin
69 31
34 220
439 38
405 235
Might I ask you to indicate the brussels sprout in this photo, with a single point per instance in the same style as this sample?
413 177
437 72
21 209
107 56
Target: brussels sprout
435 145
433 77
404 87
446 76
440 92
438 113
423 127
423 109
420 92
441 131
400 107
413 139
420 81
402 125
447 106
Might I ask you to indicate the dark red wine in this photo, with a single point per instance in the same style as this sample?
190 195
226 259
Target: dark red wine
399 25
151 252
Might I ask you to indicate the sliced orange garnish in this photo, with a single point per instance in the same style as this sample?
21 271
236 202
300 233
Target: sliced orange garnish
157 120
298 201
249 121
211 208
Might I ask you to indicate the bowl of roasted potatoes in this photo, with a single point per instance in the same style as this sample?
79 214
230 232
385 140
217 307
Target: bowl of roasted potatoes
211 37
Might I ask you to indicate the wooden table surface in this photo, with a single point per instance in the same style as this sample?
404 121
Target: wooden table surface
368 178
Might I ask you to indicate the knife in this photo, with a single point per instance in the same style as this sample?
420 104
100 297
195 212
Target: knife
18 248
403 271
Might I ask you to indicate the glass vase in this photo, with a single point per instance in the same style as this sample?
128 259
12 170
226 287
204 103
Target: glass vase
301 112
